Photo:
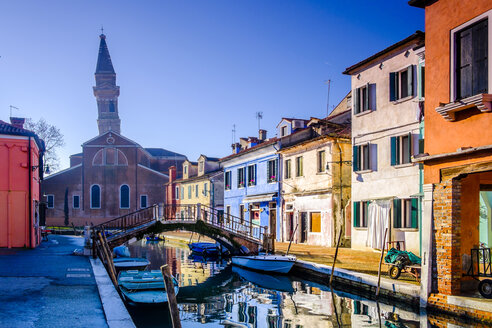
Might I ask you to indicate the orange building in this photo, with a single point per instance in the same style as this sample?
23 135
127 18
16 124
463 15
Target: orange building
457 154
20 168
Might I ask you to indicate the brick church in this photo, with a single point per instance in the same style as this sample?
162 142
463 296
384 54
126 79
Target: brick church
113 175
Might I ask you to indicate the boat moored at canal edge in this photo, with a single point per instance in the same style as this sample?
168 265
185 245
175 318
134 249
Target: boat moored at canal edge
130 263
144 287
267 262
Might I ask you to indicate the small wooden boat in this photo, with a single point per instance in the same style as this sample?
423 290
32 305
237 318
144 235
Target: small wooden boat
266 262
130 263
206 249
144 287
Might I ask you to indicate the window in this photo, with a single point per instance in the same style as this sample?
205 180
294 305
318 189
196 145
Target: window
182 193
401 149
362 99
200 166
360 214
252 175
471 66
205 187
189 192
401 84
283 131
272 170
76 201
241 177
143 201
95 196
227 180
422 82
196 191
321 161
51 201
299 168
288 169
124 196
111 106
186 169
405 213
315 222
177 192
241 213
361 157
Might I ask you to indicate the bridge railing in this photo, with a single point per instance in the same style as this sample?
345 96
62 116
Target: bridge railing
128 221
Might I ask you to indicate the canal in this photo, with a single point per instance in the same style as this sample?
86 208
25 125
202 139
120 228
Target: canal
215 294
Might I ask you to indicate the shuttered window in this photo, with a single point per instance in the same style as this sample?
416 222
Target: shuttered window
362 99
299 167
227 180
321 161
315 222
401 149
241 177
252 175
360 214
361 160
272 170
471 53
405 213
401 84
288 167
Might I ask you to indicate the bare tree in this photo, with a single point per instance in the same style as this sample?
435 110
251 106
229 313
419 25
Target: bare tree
52 137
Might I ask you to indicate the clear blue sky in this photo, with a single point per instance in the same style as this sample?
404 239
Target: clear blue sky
188 70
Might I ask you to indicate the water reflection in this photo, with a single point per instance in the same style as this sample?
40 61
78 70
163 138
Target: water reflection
214 294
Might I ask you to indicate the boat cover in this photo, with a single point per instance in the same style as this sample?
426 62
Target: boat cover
394 255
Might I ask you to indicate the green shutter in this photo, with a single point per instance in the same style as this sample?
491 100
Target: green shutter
397 213
275 171
356 98
393 89
394 154
269 171
410 80
415 212
366 100
356 214
366 213
355 158
410 149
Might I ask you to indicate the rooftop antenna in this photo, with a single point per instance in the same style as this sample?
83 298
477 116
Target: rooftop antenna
102 29
12 107
328 98
259 116
233 133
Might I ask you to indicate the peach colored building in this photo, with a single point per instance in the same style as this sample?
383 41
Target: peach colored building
20 167
457 154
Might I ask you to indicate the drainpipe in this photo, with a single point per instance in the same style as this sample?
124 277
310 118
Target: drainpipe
29 168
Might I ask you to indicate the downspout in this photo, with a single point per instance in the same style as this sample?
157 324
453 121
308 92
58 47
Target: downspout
29 168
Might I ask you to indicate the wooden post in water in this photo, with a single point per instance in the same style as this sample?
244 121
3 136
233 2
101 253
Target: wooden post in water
171 297
335 257
381 260
109 265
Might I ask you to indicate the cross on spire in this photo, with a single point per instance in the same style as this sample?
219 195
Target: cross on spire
102 29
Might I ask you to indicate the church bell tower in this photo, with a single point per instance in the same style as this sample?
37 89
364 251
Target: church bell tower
106 91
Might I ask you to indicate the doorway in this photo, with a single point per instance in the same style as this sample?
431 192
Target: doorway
304 227
273 219
290 226
485 226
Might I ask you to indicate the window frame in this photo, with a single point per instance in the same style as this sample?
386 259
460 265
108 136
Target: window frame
241 177
48 201
176 193
196 190
288 169
78 202
189 192
129 197
272 177
405 213
146 201
396 84
311 222
100 197
397 154
360 214
321 162
358 162
299 166
362 99
228 180
251 171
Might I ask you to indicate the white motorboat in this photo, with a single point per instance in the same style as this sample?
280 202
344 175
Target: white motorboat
266 262
144 287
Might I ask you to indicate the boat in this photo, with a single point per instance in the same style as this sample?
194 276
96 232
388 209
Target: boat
276 282
144 287
207 249
266 262
130 263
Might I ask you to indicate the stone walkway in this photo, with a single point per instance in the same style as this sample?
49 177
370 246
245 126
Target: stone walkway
49 287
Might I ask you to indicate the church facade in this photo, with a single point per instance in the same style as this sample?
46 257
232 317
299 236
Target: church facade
113 175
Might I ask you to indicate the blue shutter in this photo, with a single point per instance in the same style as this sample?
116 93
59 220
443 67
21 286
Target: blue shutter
366 99
393 86
356 214
410 80
397 213
356 97
415 212
394 155
355 158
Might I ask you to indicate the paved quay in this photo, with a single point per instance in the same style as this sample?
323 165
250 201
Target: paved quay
50 287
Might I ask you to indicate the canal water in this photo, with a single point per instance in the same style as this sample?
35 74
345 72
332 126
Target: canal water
216 294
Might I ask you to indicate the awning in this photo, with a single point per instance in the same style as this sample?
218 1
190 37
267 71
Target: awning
259 198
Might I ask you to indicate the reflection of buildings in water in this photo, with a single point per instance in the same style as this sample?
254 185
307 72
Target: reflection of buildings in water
194 273
203 312
158 254
369 314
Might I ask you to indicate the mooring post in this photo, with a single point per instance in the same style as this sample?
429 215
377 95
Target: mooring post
381 260
335 257
171 296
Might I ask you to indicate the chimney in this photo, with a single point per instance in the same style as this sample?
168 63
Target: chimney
18 122
262 134
172 173
252 141
243 142
236 148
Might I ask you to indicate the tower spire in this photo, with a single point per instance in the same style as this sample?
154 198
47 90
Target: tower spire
106 91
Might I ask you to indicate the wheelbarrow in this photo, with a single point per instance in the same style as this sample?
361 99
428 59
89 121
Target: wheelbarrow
480 268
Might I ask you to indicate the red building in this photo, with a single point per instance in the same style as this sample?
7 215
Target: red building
21 165
113 175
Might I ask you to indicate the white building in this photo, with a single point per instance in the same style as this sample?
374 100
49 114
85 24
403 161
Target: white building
386 114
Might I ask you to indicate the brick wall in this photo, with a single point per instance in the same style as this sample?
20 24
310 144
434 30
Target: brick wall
456 313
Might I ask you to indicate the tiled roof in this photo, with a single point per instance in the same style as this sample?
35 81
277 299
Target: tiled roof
263 144
6 128
160 152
